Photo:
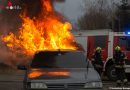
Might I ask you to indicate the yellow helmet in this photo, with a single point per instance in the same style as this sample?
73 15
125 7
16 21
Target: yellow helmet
98 49
117 48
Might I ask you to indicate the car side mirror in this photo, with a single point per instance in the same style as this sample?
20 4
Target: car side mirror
21 67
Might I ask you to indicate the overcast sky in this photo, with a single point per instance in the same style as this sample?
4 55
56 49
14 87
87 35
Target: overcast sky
72 9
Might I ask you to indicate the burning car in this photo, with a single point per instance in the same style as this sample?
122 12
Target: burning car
60 69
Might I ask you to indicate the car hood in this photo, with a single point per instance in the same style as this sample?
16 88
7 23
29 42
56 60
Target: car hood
56 75
73 75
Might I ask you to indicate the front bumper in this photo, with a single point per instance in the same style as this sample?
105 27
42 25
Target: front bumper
64 89
68 89
71 89
74 86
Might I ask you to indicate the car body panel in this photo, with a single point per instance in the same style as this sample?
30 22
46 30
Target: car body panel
62 78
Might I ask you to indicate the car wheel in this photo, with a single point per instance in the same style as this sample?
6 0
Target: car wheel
111 73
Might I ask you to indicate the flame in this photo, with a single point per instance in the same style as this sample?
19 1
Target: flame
46 32
36 74
59 73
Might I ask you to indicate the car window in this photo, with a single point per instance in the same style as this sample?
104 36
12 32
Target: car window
62 59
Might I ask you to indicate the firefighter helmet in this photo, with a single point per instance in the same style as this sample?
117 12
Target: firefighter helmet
98 49
117 48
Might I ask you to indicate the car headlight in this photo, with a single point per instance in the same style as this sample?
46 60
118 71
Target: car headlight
93 85
38 85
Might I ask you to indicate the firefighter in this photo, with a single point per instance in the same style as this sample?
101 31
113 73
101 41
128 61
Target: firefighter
119 61
97 60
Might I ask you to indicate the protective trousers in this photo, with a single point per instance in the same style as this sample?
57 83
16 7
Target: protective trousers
120 73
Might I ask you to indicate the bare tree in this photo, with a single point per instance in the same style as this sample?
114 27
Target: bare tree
97 15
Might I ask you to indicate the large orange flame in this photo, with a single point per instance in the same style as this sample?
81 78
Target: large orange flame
45 32
36 74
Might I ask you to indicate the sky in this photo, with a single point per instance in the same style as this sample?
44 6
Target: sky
73 9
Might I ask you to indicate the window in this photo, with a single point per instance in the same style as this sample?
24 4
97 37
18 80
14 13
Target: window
100 41
125 42
122 41
59 59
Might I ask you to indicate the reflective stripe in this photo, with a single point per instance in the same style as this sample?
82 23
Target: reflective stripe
119 66
118 81
125 80
125 58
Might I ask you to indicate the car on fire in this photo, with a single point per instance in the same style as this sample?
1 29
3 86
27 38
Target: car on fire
61 69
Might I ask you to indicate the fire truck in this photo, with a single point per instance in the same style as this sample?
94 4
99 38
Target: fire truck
107 40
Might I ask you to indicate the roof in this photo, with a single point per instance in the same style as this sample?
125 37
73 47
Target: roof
92 32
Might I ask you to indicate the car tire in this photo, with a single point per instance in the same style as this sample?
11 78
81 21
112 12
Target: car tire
111 73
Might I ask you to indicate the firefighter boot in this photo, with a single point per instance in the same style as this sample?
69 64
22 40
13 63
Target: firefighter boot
125 82
118 82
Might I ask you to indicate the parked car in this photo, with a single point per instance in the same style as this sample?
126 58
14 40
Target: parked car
64 69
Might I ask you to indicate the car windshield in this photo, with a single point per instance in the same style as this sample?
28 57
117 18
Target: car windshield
59 59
